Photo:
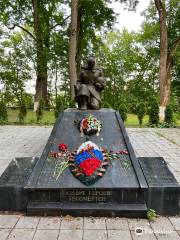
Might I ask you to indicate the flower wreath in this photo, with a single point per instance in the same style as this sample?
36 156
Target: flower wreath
88 163
90 125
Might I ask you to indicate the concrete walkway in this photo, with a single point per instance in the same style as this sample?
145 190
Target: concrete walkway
17 141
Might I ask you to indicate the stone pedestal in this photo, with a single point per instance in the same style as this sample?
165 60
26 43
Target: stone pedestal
129 188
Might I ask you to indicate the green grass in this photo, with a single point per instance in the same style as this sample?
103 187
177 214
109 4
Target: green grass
132 121
49 119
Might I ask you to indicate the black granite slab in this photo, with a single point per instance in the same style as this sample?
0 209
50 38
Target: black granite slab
87 209
163 189
13 197
113 136
123 184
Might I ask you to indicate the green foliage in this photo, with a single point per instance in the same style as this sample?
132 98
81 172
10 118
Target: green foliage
169 117
154 113
151 215
3 113
140 111
40 110
60 105
123 111
22 111
14 68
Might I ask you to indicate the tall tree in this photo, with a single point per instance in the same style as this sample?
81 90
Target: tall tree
39 19
73 47
167 52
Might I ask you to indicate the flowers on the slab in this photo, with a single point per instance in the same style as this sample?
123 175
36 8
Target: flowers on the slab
62 147
90 125
88 162
62 159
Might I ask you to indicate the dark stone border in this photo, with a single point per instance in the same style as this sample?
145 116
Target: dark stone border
37 170
134 160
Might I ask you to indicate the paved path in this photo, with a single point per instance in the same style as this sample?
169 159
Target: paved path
30 141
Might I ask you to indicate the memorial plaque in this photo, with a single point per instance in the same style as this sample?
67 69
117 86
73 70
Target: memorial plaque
90 195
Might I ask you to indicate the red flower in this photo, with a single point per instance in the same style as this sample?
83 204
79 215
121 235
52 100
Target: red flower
90 165
62 147
85 123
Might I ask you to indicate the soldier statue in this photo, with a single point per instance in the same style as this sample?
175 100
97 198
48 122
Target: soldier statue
89 86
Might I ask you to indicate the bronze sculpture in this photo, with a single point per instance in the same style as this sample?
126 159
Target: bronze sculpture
89 86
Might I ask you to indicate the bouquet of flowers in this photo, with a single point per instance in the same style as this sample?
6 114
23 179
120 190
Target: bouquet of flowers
90 126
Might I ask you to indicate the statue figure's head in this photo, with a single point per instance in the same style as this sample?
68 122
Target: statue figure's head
91 63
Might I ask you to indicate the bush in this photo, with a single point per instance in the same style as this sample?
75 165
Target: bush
140 111
123 111
22 111
60 105
169 116
3 113
154 113
40 110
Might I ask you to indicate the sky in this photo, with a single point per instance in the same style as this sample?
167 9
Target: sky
131 20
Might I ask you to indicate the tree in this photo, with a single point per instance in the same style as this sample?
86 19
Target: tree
39 19
128 69
167 52
15 67
88 18
73 46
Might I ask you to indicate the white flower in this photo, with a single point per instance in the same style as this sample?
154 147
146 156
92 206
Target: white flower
85 145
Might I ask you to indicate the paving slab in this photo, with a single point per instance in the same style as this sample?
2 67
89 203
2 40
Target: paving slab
139 223
8 221
27 222
46 235
162 224
119 234
71 235
117 223
175 222
69 223
94 223
4 233
95 235
49 223
171 235
144 236
21 234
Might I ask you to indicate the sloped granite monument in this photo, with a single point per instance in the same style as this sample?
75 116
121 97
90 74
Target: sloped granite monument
89 168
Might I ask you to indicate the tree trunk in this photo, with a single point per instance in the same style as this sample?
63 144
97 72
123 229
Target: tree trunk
79 40
41 58
73 47
163 78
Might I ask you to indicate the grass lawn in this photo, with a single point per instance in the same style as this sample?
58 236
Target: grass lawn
49 119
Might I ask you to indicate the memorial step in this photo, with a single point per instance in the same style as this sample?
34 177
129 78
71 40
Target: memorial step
87 209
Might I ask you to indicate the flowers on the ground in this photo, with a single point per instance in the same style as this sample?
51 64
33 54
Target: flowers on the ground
90 125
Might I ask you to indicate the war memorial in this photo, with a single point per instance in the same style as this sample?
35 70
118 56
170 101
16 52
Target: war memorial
88 166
